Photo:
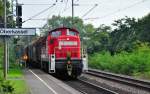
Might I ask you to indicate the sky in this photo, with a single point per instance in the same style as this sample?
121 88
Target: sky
105 12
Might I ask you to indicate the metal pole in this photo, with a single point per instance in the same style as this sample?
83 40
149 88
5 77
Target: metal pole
8 56
8 63
72 12
5 41
29 53
12 10
17 22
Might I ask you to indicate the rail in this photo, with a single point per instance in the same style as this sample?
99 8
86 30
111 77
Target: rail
99 88
144 84
86 87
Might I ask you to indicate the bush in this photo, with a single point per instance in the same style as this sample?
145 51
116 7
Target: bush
124 62
5 86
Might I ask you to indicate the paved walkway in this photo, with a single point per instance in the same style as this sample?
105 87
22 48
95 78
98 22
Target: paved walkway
43 83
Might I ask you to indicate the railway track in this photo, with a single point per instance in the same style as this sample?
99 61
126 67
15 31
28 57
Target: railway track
142 84
86 87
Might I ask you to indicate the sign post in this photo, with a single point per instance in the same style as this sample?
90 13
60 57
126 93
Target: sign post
17 31
13 32
5 41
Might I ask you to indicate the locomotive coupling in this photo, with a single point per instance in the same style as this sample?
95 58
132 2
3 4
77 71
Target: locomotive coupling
68 62
69 68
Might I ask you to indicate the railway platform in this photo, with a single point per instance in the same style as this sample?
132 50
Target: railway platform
40 82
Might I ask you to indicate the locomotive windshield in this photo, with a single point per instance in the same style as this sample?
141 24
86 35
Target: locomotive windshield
56 33
71 33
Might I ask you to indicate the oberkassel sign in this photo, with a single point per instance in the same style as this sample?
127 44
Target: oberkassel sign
18 31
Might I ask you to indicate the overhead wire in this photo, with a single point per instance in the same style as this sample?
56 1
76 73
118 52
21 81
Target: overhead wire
34 4
57 1
61 7
46 24
52 11
32 17
70 6
40 13
66 5
116 11
47 19
94 18
89 10
109 14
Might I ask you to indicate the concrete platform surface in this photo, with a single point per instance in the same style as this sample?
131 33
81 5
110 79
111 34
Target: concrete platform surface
40 82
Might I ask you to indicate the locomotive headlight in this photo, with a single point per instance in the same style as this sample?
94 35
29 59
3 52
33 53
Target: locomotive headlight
67 38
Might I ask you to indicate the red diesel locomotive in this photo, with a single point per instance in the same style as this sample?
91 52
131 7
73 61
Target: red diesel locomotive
59 52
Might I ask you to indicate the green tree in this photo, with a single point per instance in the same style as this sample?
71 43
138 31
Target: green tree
1 13
123 36
94 39
143 29
100 39
58 21
10 21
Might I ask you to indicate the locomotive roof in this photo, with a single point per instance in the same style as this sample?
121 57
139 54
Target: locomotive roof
64 28
41 39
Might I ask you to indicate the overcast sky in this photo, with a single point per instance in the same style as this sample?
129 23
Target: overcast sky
105 13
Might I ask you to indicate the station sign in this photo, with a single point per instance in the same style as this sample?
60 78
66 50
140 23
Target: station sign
17 31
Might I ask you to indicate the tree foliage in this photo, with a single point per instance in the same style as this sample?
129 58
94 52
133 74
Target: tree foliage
10 21
1 12
129 32
58 21
125 36
95 39
143 29
124 62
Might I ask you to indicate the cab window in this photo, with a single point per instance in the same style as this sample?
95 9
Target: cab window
71 33
56 33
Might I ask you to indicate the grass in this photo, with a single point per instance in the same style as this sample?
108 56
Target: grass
1 73
135 64
20 87
1 56
1 60
15 73
15 76
16 79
